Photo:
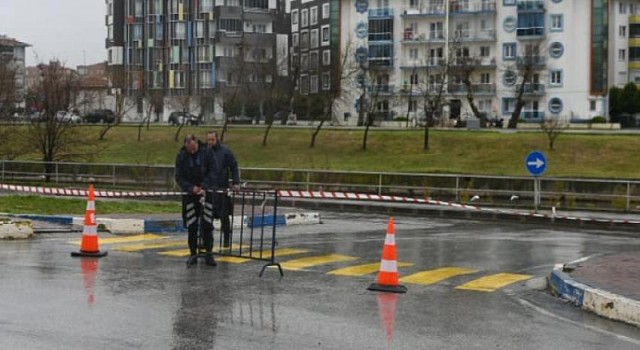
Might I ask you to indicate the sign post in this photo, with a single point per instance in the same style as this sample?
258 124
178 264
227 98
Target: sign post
536 164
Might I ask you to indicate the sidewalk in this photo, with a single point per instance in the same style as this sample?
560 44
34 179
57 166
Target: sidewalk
608 285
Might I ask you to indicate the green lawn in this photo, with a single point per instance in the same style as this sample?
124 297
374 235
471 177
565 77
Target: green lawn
54 205
488 152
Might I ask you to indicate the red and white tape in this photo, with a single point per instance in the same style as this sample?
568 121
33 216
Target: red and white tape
312 195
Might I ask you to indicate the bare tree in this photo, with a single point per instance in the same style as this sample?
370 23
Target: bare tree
55 138
341 75
183 103
123 104
153 100
372 86
525 75
464 70
553 127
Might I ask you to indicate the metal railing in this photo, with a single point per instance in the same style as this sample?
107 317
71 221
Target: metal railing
503 191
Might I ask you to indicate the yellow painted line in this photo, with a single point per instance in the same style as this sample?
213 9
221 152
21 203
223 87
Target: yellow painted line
361 270
220 249
493 282
299 264
279 252
125 239
177 253
149 245
436 275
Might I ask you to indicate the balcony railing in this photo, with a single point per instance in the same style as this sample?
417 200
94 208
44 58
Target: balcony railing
531 60
381 89
479 89
534 88
472 7
532 116
530 5
530 31
381 12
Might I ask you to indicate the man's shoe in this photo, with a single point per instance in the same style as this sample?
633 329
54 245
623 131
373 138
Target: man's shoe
209 261
192 260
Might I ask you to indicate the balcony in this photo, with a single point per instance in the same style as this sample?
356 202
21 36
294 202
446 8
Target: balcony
530 32
534 89
381 89
476 89
472 35
532 116
523 61
225 37
381 62
432 10
433 62
384 12
472 7
530 5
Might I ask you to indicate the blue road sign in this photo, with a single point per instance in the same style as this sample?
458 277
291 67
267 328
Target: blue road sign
536 163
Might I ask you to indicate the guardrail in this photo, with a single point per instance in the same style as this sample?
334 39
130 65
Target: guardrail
503 191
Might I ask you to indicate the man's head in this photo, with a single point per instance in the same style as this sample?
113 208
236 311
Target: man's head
212 139
191 144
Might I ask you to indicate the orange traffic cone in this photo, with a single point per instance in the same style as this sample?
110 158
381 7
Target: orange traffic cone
89 245
388 274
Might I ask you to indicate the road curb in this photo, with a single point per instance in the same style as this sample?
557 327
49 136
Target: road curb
598 301
135 226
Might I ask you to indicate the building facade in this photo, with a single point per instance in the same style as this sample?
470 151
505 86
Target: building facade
477 49
12 53
193 53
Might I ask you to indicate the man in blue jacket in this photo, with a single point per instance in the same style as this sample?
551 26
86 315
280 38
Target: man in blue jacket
225 166
195 174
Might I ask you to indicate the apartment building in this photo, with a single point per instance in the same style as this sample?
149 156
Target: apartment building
12 52
196 53
414 46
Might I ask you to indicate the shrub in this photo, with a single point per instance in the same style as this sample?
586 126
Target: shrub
400 119
598 120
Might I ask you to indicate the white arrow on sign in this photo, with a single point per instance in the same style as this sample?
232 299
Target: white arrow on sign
538 163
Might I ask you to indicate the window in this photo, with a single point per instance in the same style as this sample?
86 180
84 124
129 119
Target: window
137 32
508 2
485 51
259 28
313 60
325 35
413 53
304 18
413 79
206 5
622 7
230 25
556 50
555 105
294 17
557 23
304 62
326 81
314 38
510 77
199 29
485 78
592 105
555 78
622 55
313 84
509 51
413 106
508 105
304 40
203 53
622 31
294 39
138 8
325 11
205 78
326 57
304 84
313 14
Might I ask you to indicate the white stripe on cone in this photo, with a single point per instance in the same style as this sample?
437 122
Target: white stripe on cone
388 266
390 239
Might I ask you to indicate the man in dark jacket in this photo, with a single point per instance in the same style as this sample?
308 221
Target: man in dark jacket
225 165
195 174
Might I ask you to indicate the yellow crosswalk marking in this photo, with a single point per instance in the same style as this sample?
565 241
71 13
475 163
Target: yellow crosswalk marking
361 270
149 245
126 239
299 264
279 253
493 282
436 275
176 253
232 259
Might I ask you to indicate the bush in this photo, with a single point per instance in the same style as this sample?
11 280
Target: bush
400 119
598 120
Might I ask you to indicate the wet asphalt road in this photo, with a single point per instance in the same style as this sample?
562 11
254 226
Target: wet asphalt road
143 300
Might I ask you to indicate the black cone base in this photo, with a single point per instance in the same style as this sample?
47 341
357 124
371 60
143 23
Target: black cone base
390 289
89 254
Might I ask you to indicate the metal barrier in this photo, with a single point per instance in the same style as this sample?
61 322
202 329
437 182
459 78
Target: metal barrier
498 191
257 237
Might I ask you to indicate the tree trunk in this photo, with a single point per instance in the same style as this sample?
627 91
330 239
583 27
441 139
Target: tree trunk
224 128
175 138
266 133
366 131
425 147
315 133
515 115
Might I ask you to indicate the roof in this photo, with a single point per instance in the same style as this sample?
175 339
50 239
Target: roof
7 41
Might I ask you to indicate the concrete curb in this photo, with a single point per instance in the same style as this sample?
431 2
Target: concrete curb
10 229
134 226
598 301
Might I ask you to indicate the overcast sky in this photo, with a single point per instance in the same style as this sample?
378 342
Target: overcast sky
70 30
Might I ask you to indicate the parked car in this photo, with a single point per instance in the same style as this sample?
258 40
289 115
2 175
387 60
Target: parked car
181 118
240 120
100 116
68 117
